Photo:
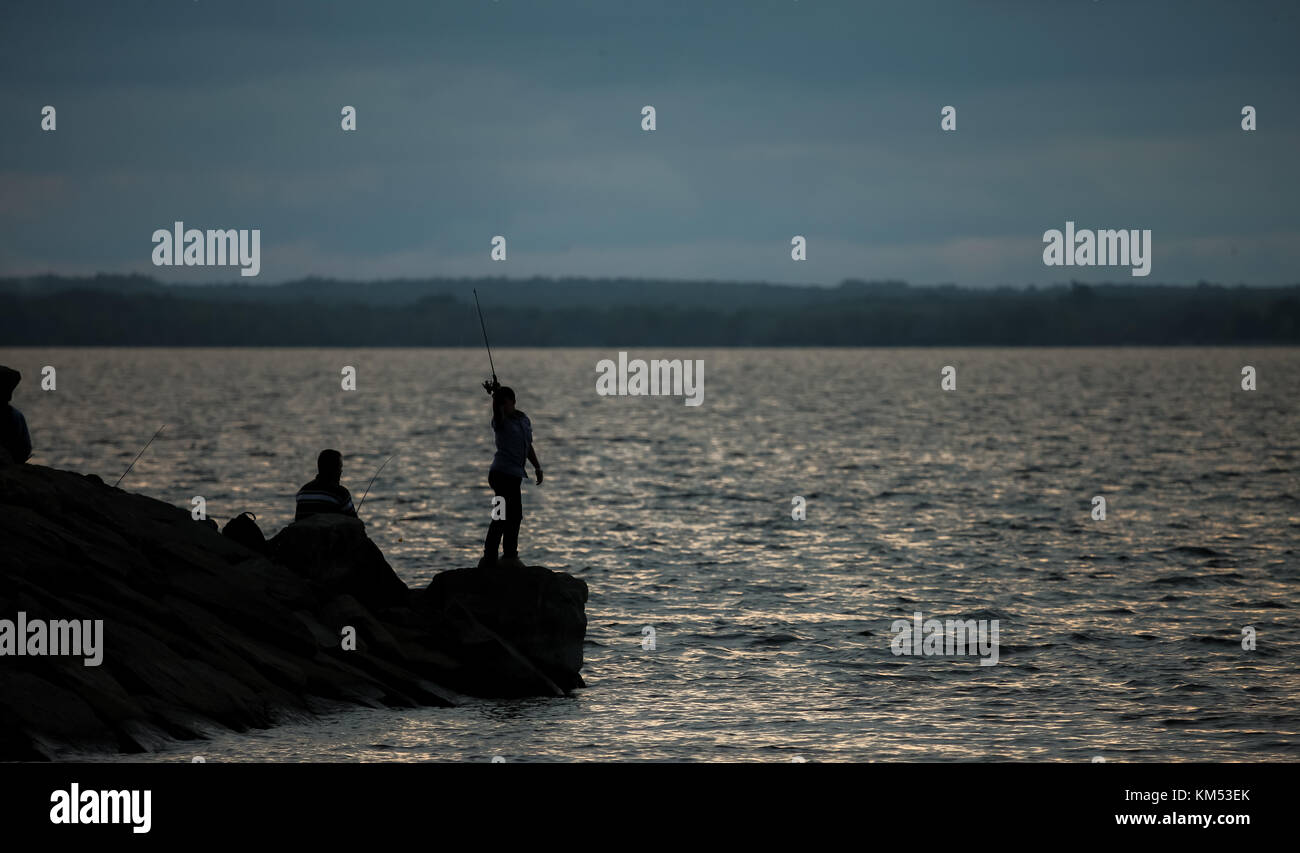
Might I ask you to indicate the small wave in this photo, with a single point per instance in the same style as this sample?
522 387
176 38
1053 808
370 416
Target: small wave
1191 551
1216 641
776 640
1222 579
982 614
1179 580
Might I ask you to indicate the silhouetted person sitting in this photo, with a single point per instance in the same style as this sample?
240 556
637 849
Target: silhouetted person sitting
14 437
324 494
514 438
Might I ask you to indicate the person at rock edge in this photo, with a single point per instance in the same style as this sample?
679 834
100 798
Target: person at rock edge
14 436
514 442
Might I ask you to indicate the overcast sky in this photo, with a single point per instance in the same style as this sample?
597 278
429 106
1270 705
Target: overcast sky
775 118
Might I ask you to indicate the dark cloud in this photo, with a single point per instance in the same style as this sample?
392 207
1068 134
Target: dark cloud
479 118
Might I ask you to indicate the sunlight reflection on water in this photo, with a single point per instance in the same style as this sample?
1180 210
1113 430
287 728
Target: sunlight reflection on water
1119 638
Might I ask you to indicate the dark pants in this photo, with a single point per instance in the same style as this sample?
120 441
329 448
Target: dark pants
507 487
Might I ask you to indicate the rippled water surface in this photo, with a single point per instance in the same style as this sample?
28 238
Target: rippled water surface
1119 638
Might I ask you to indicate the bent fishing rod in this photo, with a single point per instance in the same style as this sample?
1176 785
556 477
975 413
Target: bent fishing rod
372 482
488 385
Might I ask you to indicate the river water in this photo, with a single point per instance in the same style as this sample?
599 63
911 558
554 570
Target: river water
1120 638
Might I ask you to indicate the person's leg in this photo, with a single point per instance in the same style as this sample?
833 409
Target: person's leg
514 515
498 527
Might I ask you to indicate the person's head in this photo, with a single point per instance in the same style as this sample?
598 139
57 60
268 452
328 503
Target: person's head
329 465
504 400
9 379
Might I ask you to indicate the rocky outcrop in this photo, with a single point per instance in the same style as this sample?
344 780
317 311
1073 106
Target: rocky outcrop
519 632
200 632
334 553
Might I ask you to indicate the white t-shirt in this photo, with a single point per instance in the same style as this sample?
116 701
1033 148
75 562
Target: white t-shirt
514 437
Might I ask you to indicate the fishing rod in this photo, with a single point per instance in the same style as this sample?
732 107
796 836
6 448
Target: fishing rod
372 481
138 455
487 386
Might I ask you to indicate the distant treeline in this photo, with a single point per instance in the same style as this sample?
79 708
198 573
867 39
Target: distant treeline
137 311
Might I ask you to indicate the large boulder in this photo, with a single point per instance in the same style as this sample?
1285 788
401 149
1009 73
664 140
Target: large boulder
334 553
519 631
199 631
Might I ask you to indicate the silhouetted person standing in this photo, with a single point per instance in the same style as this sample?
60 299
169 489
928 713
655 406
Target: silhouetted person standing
14 436
324 494
514 438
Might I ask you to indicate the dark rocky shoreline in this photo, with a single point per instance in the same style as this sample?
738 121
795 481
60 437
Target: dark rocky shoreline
200 632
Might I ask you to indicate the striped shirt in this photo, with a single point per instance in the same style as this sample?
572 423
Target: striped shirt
317 497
